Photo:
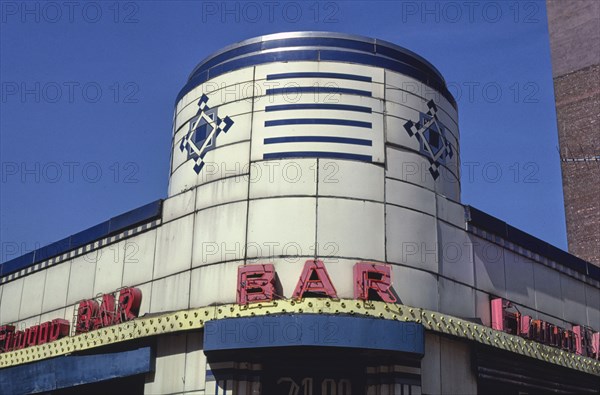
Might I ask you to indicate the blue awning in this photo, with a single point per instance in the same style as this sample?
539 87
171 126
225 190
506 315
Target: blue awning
69 371
295 330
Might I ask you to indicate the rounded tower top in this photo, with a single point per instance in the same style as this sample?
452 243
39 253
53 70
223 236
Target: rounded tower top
317 46
307 97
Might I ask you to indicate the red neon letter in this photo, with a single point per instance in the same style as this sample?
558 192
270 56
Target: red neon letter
314 280
86 313
256 283
582 341
497 314
32 335
525 327
20 339
569 342
106 314
372 281
58 328
130 300
10 341
43 333
503 320
579 332
587 342
6 332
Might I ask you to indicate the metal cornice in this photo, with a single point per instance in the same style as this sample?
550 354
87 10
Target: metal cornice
194 319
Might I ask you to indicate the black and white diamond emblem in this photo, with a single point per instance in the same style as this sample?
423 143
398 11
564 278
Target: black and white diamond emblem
201 138
431 134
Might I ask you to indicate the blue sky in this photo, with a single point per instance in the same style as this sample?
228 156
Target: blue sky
88 90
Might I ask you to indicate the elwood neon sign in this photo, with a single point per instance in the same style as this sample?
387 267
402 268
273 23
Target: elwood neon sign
91 314
580 340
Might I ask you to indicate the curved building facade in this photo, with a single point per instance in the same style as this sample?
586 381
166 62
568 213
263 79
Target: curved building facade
312 242
299 146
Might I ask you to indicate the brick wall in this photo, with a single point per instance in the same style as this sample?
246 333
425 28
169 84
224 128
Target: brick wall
574 28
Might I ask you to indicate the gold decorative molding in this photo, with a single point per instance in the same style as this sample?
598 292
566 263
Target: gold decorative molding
193 319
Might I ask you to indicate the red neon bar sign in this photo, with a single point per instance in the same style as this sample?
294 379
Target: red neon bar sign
256 283
92 314
580 340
